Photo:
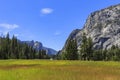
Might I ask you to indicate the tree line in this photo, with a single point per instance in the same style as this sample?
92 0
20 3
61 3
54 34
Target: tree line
87 52
14 49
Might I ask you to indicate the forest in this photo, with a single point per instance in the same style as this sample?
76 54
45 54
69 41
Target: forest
88 52
15 49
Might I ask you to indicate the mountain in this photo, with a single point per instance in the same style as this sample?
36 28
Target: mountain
39 46
102 26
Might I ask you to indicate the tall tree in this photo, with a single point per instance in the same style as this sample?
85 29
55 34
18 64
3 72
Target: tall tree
83 48
13 49
89 48
71 51
86 48
7 43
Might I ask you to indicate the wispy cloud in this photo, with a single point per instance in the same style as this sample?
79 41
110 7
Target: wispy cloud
17 35
57 33
8 26
5 27
46 11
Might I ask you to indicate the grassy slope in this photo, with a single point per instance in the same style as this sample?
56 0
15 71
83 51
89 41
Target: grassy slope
58 70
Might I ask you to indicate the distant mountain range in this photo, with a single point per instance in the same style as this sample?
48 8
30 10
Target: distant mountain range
39 46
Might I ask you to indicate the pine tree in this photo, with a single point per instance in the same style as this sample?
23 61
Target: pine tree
83 50
86 48
71 51
89 48
97 55
12 49
7 42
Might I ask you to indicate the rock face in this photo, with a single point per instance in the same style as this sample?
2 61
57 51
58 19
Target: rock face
102 26
38 46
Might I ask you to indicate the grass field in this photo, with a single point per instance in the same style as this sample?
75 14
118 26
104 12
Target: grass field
58 70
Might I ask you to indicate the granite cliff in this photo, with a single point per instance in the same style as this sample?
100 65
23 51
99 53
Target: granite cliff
103 26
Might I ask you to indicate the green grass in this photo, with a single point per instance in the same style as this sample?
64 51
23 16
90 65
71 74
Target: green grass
58 70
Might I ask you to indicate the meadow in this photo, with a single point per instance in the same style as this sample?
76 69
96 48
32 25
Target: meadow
58 70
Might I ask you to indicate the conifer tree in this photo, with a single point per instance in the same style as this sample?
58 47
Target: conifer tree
83 50
86 48
71 51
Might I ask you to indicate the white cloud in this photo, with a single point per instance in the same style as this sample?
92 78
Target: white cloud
57 33
8 26
46 11
3 32
5 28
16 35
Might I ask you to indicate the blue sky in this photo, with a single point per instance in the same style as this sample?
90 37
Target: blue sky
47 21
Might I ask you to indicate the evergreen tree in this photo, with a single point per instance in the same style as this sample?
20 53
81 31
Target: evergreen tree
71 51
97 55
83 50
86 48
89 48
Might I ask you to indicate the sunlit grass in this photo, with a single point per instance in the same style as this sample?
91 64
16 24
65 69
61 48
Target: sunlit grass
58 70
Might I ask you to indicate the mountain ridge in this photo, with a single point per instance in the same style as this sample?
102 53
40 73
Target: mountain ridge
39 46
103 26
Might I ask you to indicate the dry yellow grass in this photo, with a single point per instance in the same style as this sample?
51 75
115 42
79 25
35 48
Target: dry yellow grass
58 70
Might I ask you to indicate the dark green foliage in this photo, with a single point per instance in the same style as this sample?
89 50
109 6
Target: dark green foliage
71 51
86 48
89 48
97 55
83 50
58 56
112 54
13 49
87 52
42 54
